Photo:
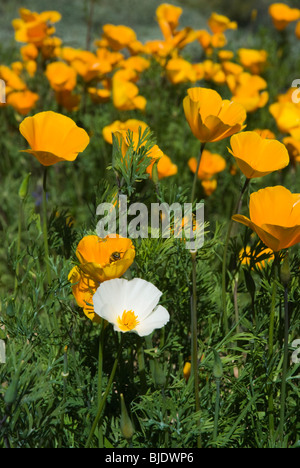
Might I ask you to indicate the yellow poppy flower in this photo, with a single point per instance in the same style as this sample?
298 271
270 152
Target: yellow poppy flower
253 60
53 137
274 216
248 90
211 118
165 166
180 70
126 93
104 259
220 23
167 17
257 156
210 165
61 76
209 186
297 30
282 15
22 101
286 114
68 100
117 125
83 289
118 37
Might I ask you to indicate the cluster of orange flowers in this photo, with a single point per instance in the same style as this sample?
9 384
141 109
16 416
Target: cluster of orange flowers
112 71
274 211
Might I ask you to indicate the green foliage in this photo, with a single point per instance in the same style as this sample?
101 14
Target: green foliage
49 384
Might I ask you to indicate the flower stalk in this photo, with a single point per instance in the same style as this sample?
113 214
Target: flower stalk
194 345
224 264
106 393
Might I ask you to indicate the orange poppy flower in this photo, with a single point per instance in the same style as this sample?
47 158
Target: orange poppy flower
68 100
292 144
61 76
126 93
11 79
297 30
167 17
211 118
53 137
105 259
282 15
210 165
286 115
274 216
117 125
83 289
257 156
220 23
248 90
180 71
118 37
29 52
22 101
252 59
165 166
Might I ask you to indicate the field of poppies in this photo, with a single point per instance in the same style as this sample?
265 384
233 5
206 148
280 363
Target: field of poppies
119 328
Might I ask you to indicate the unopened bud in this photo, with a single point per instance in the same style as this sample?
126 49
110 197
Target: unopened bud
126 424
154 173
159 374
218 367
285 272
23 190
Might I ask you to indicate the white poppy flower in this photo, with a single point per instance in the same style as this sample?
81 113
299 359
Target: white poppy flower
131 306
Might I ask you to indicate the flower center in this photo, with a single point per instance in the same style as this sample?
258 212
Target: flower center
128 321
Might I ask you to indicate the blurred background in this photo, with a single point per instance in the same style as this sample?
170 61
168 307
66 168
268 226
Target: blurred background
137 14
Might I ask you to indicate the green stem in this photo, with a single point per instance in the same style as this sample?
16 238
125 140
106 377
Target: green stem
19 244
194 346
141 364
100 375
196 173
45 227
270 351
285 362
106 393
224 264
217 407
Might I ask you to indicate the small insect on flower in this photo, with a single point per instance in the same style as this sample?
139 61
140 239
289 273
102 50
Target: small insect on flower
114 257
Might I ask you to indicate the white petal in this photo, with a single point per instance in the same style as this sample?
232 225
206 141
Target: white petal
157 319
110 296
141 297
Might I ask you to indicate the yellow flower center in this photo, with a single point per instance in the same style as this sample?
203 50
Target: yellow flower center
128 321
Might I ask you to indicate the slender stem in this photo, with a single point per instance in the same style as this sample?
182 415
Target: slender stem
196 173
106 393
45 227
19 244
141 364
100 375
224 265
194 346
217 407
285 362
270 351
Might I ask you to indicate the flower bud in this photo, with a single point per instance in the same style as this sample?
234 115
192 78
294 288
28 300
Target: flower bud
218 367
23 190
126 424
285 272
